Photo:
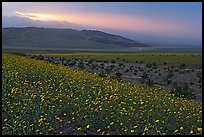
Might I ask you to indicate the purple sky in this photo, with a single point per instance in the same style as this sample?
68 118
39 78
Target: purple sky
179 19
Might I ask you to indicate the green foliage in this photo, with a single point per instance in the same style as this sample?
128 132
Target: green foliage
183 91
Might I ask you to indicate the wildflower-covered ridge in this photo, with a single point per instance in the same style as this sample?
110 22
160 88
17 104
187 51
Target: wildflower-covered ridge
43 98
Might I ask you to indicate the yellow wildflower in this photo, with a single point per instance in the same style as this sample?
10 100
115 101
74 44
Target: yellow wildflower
199 129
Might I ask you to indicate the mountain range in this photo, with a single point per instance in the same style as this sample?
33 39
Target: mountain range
37 37
16 21
146 39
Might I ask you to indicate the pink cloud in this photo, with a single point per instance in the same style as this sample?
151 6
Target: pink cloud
117 21
127 23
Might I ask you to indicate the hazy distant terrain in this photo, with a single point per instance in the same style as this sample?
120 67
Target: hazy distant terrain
33 37
15 21
148 39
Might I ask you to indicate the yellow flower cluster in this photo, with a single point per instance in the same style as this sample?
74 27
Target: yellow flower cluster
39 97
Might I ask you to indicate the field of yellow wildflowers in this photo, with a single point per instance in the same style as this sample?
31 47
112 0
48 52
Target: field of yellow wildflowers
44 98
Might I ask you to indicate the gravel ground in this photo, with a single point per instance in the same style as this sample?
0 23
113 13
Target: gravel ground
160 76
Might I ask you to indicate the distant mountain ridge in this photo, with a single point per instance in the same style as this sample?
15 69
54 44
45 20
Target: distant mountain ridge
36 37
15 21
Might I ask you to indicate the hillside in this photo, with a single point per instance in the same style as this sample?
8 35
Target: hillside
34 37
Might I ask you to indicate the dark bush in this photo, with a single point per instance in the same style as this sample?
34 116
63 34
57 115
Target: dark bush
150 82
118 75
182 72
72 63
40 57
121 65
81 65
183 91
108 70
101 64
144 75
112 66
127 70
113 61
182 66
102 74
149 65
169 81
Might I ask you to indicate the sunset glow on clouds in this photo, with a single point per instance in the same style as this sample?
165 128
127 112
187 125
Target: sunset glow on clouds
170 19
37 16
111 21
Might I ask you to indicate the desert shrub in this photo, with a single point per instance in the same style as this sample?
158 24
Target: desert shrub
108 70
154 64
118 75
199 75
169 74
127 70
93 66
131 67
113 61
149 65
169 81
40 57
182 72
90 61
32 56
101 64
154 67
144 75
199 86
182 66
102 74
81 65
72 63
112 66
121 65
183 91
150 82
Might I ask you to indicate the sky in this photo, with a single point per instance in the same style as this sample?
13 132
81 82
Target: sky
170 19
